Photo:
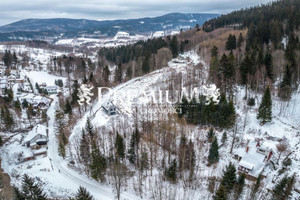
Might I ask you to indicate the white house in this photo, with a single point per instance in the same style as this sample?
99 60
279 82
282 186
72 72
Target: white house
37 137
158 34
51 89
253 159
122 34
109 108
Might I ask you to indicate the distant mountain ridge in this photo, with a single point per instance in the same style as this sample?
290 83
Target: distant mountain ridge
31 28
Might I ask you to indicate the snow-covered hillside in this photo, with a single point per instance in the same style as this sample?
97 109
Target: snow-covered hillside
61 179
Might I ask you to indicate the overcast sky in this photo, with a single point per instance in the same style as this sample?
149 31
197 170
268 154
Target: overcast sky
14 10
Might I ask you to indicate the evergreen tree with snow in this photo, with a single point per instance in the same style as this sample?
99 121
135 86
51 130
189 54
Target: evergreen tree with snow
265 108
29 190
229 178
98 164
282 190
83 194
278 190
213 155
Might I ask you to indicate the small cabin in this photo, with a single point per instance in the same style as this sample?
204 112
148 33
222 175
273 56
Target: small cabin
253 159
51 90
37 137
109 108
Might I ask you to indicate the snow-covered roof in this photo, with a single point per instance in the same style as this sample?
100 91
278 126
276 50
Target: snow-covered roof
51 87
107 105
122 34
38 129
252 160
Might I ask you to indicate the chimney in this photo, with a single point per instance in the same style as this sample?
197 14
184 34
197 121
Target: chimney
270 154
247 148
258 144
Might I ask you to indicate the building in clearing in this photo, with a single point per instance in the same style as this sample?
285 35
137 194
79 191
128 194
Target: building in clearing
122 34
253 159
51 89
37 137
109 108
158 34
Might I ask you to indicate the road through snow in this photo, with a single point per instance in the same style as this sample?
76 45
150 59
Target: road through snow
71 178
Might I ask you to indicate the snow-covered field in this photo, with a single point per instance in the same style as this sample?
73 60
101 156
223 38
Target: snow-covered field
61 180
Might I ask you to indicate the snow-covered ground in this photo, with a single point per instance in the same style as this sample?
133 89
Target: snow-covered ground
101 42
61 180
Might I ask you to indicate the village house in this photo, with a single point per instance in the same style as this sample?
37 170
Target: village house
109 108
37 137
37 101
253 159
51 90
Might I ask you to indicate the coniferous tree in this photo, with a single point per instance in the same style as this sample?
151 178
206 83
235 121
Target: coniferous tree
98 164
25 103
229 178
285 89
220 194
213 155
83 194
75 90
68 108
146 65
238 189
174 46
129 72
29 190
84 149
279 189
240 40
89 129
289 187
269 65
224 137
265 108
7 118
133 147
210 135
91 77
61 149
119 73
231 42
120 146
171 172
